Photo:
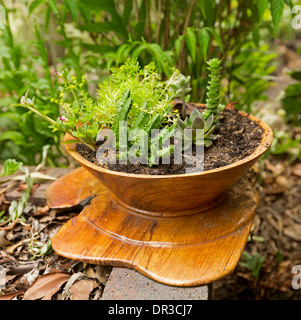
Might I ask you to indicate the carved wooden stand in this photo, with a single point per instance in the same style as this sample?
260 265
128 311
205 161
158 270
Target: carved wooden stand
181 250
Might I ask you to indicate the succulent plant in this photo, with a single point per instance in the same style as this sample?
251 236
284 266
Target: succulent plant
179 86
143 121
213 94
201 130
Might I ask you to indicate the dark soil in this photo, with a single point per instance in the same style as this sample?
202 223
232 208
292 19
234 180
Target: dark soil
237 138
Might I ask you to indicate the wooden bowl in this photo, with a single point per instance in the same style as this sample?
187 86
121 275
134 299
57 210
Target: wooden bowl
173 195
168 227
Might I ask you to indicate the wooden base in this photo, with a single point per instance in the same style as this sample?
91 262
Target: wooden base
184 250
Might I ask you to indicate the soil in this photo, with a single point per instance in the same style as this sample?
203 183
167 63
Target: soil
237 138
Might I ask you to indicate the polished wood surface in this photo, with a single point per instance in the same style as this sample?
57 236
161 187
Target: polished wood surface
71 189
182 230
173 194
185 250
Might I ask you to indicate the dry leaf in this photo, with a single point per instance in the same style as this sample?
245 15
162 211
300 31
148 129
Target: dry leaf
231 105
4 242
46 286
41 211
12 295
22 187
297 171
12 248
90 272
278 167
293 232
101 273
81 290
66 292
282 181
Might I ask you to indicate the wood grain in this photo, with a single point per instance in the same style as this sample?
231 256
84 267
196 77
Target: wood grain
163 195
182 230
186 250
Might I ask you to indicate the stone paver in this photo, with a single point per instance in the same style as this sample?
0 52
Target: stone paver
128 284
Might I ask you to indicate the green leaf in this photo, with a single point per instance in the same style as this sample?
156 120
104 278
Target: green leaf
261 7
177 46
216 37
33 6
48 13
109 6
190 39
255 35
276 11
139 29
161 58
103 27
289 3
72 6
10 166
15 136
296 74
208 11
42 164
46 249
99 48
127 11
52 4
204 38
106 5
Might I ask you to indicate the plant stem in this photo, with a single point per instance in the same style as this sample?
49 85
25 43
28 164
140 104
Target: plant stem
33 110
187 21
166 34
159 20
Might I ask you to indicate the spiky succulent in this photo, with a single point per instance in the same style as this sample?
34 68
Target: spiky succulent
213 105
201 130
145 122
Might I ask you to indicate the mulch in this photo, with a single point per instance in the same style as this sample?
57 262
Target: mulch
275 234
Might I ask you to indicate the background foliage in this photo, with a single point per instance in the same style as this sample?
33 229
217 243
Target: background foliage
90 36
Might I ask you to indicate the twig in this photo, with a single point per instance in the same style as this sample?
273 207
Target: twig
166 34
11 185
186 24
148 30
15 222
159 21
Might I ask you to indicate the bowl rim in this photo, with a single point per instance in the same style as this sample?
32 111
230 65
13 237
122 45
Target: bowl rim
266 141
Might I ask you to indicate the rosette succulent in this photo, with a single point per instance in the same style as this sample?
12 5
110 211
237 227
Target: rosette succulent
201 131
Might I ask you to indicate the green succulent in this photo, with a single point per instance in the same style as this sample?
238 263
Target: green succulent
201 130
143 121
213 105
179 87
